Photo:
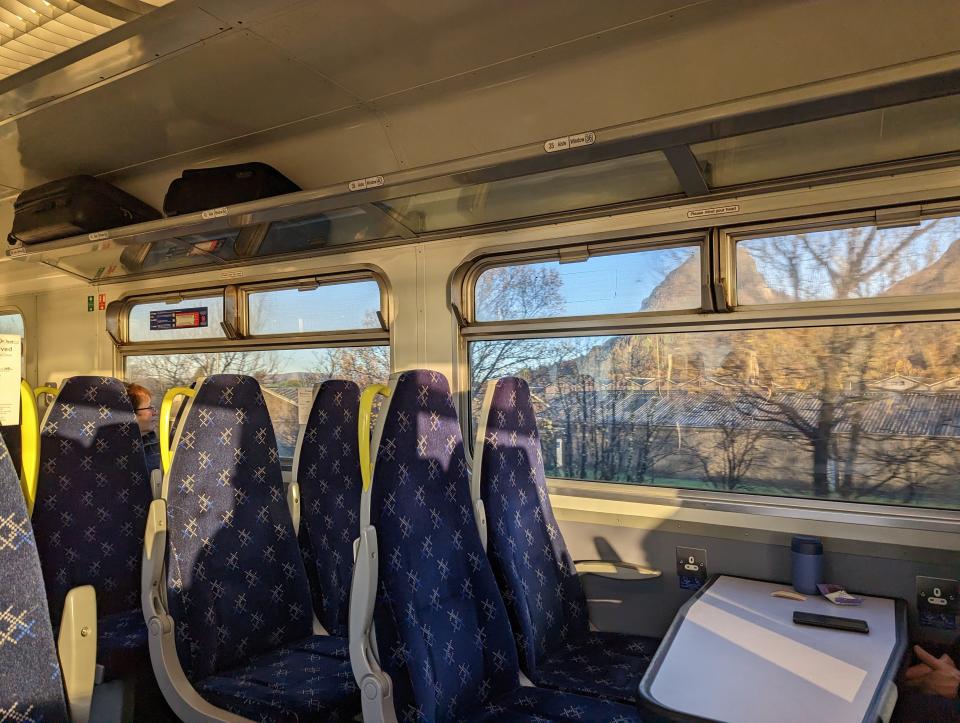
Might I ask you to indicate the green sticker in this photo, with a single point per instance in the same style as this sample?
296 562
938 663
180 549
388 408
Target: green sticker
89 303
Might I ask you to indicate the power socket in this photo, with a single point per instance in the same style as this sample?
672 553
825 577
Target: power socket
691 567
938 602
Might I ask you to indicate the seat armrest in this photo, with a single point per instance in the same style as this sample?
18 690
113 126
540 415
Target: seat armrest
293 502
156 483
616 570
376 693
480 515
180 695
77 649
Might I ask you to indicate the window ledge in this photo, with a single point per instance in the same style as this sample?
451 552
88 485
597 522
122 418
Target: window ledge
625 505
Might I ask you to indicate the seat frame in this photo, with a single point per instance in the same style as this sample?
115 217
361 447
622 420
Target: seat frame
177 690
376 687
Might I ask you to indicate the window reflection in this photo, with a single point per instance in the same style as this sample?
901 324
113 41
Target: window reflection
851 263
287 376
650 280
859 413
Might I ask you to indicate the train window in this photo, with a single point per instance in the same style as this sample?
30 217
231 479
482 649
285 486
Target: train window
177 318
315 308
603 284
11 322
853 398
567 189
847 263
290 335
911 130
282 375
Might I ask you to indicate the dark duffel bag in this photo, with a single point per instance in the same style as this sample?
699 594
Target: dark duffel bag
199 189
72 206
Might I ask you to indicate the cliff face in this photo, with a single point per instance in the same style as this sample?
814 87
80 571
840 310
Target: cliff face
942 276
753 287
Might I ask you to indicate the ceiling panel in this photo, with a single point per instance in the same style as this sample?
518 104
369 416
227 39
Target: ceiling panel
394 45
323 151
227 87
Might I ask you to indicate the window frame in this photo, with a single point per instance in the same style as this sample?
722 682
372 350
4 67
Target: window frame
247 290
236 315
467 279
719 313
235 312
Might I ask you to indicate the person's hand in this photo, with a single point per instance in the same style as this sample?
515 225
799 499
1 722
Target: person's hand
936 676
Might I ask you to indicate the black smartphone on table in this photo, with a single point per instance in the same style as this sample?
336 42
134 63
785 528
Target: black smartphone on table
853 625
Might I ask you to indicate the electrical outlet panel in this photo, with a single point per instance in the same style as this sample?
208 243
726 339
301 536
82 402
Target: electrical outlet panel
938 602
691 567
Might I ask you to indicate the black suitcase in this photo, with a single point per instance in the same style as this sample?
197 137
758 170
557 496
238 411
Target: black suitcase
72 206
199 189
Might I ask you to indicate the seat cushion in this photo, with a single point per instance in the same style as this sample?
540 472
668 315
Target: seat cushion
92 495
294 683
122 644
534 570
328 470
539 704
605 664
236 585
30 684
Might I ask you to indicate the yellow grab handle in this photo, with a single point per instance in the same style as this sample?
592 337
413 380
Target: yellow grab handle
363 430
40 391
29 444
165 406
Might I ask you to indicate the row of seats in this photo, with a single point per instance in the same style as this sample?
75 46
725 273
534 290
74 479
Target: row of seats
251 617
428 632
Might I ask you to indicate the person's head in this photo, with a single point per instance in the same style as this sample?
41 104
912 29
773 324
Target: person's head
140 398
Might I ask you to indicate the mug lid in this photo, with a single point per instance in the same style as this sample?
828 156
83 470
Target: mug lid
807 545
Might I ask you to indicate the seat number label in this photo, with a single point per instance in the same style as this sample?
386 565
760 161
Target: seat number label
363 183
567 142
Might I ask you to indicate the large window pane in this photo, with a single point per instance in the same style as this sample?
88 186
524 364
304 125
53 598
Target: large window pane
282 374
860 413
172 320
328 307
568 189
11 323
850 263
651 280
907 131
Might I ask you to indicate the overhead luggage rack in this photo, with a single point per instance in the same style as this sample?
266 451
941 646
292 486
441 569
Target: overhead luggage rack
696 157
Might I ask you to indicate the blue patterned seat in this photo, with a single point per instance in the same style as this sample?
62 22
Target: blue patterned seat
441 627
236 586
11 437
31 687
328 472
92 498
545 600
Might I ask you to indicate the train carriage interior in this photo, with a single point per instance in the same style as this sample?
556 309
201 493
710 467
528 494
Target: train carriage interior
479 361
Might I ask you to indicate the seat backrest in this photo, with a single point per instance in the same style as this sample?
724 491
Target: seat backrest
236 585
93 493
31 688
529 556
441 628
11 437
328 472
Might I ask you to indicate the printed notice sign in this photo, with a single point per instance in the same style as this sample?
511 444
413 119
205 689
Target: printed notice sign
9 379
178 319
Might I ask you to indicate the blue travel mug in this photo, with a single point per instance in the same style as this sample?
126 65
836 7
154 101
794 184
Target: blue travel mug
807 554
